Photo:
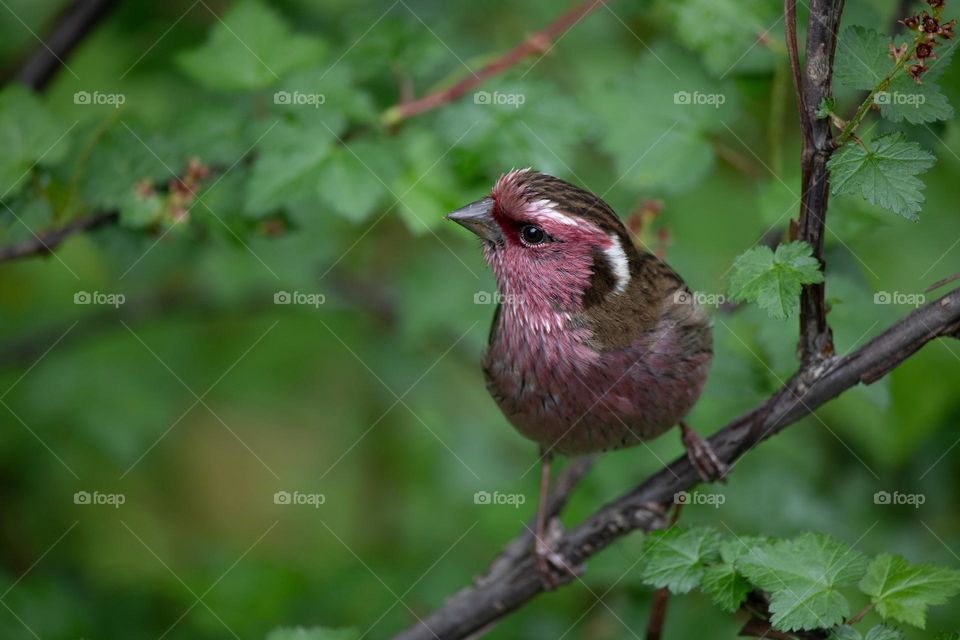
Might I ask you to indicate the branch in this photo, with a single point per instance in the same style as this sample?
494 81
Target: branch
816 338
536 44
45 242
75 23
487 600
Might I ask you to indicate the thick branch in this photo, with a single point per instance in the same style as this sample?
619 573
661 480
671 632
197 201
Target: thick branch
535 44
77 21
816 338
479 605
45 242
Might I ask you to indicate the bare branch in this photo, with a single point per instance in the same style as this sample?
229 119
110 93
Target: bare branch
816 338
483 603
75 23
45 242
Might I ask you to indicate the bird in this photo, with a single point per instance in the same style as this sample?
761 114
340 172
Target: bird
596 344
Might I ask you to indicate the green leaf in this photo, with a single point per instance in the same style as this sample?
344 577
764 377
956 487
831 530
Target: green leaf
862 59
676 558
725 586
29 134
725 33
803 577
915 103
251 47
884 173
288 166
313 633
825 107
903 592
844 632
354 179
773 279
670 148
883 632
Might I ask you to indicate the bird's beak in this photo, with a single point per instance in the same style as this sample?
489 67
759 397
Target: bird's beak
478 218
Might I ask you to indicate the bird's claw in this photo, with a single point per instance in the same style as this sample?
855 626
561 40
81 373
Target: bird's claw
552 567
704 459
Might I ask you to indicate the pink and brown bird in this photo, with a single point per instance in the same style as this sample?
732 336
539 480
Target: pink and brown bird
596 345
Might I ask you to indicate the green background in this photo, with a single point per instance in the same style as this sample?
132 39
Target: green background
199 397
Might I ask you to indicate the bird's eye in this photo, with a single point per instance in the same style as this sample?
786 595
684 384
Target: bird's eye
532 234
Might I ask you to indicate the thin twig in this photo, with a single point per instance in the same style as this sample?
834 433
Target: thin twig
536 44
75 24
42 243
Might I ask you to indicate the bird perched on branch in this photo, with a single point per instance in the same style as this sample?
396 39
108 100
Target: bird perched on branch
595 344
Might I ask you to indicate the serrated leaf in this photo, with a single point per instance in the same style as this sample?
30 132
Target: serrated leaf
670 148
915 103
844 632
803 577
28 134
725 586
773 279
903 592
354 179
313 633
883 632
884 173
250 47
726 33
862 59
288 165
676 558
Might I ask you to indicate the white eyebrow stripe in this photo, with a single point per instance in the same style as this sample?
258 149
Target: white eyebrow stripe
618 263
547 209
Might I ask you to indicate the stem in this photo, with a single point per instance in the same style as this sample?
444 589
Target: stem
857 618
883 85
535 44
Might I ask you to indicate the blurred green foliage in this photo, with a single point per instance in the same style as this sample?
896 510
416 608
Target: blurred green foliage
305 323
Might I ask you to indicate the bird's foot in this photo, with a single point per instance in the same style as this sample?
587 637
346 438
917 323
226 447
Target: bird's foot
552 567
702 456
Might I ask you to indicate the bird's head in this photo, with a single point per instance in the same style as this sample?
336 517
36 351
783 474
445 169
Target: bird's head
550 244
